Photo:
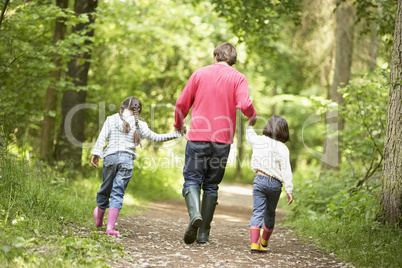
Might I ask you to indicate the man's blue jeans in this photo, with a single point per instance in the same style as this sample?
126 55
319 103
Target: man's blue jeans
204 165
266 193
116 173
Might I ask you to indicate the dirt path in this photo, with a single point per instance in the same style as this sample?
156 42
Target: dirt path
155 238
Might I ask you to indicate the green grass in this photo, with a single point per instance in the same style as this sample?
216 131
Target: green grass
343 221
46 217
247 175
364 245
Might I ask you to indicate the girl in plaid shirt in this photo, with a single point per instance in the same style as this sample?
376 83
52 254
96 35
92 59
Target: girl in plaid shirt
123 131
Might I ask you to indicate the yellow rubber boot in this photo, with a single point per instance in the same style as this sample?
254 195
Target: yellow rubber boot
255 240
257 248
266 234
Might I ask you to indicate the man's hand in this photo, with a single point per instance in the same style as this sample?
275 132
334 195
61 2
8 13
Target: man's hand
252 121
182 130
95 160
289 198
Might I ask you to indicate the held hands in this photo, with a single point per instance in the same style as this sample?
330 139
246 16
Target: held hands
95 160
182 130
252 121
289 198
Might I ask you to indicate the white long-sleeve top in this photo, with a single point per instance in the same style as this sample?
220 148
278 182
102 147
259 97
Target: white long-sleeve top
119 141
271 157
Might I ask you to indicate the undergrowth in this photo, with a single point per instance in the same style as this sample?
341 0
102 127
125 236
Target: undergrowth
45 221
341 219
46 216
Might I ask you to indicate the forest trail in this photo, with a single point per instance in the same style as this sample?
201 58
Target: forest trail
155 238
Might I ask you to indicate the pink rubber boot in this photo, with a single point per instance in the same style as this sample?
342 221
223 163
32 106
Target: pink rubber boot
266 234
98 215
255 240
111 221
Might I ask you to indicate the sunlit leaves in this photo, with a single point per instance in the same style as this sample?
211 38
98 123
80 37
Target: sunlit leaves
149 49
258 23
364 111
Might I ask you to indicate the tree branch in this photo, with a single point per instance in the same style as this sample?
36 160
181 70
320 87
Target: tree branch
369 174
8 66
3 11
367 128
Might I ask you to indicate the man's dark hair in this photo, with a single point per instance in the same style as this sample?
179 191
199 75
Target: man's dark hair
226 52
277 129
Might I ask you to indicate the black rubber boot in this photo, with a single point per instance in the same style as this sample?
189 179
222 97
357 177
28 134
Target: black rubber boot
209 203
192 196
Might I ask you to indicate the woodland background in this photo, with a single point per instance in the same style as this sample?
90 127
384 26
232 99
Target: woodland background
331 68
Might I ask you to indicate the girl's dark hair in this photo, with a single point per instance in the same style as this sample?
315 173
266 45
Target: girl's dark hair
277 129
226 52
134 105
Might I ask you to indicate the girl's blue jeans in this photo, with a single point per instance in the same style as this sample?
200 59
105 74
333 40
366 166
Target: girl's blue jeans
116 173
266 193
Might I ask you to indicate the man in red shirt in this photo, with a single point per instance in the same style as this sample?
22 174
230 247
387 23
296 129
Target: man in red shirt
214 92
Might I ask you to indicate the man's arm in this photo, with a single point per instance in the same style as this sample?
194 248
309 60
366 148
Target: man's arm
184 103
243 100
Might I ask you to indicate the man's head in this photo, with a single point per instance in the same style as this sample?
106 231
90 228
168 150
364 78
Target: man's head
225 52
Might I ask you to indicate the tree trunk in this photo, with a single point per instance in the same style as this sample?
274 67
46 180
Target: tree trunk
71 135
374 40
391 195
372 60
343 62
46 142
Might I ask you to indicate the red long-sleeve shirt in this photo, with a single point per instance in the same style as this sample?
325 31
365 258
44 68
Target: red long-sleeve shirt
214 91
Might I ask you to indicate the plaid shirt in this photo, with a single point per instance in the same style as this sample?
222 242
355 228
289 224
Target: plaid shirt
119 141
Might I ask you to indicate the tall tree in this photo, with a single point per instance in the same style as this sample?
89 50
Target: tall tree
391 196
343 63
71 135
46 143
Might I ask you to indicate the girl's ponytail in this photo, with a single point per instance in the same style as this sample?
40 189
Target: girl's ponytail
136 134
134 105
126 125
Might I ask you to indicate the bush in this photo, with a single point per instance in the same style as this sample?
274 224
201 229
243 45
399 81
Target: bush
338 208
45 220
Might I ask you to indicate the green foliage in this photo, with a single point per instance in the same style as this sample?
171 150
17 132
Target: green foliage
314 191
41 213
247 175
155 185
382 13
339 207
364 244
26 46
364 111
46 219
341 219
149 49
258 22
360 204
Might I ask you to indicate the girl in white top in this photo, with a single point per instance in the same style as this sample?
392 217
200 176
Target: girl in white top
270 160
122 131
